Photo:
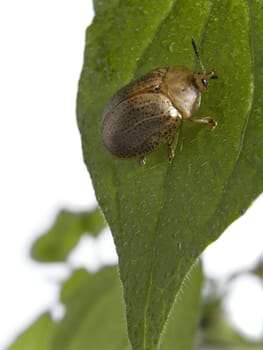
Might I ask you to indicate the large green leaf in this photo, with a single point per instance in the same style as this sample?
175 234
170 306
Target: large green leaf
163 215
61 238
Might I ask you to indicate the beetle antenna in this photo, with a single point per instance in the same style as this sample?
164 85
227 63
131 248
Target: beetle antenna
198 56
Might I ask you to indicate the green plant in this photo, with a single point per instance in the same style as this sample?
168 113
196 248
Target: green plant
162 216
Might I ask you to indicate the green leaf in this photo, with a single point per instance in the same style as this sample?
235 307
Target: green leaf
163 215
60 239
181 329
37 336
95 314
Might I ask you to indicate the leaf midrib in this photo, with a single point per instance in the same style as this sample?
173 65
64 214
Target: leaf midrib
116 174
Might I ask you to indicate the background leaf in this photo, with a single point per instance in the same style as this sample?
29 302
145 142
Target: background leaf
60 239
37 336
181 329
95 315
163 215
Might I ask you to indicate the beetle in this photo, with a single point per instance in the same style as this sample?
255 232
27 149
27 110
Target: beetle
148 111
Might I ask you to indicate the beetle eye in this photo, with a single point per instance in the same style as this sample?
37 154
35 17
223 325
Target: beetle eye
205 82
157 88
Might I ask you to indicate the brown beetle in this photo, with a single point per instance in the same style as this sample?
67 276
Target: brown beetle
147 112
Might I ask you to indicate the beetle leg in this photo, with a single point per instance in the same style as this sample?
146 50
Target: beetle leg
207 120
142 160
170 151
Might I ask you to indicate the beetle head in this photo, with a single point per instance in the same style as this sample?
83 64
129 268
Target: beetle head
201 79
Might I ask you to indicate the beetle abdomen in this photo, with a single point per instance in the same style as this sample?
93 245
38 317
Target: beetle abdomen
139 124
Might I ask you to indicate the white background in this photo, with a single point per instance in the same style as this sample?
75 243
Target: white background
42 170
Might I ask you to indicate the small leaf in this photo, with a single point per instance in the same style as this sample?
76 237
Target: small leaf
220 333
37 336
60 239
163 215
181 330
95 314
216 327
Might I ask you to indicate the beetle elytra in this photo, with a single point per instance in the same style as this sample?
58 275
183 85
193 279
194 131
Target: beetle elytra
148 112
